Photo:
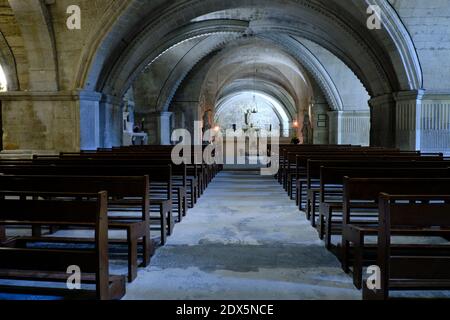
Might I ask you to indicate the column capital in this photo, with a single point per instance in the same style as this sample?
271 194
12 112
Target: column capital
88 95
409 95
381 100
165 114
353 113
159 113
75 95
106 98
437 95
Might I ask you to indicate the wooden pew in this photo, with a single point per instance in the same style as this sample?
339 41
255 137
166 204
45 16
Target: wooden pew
312 192
302 160
185 179
423 267
312 179
331 210
50 265
289 165
207 172
129 191
162 187
364 192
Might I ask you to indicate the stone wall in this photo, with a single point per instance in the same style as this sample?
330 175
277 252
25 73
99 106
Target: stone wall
41 122
47 65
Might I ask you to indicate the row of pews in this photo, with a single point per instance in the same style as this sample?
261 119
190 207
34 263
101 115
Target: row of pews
47 201
376 207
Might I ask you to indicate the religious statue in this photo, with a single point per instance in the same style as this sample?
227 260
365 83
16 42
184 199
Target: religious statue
127 125
206 121
248 116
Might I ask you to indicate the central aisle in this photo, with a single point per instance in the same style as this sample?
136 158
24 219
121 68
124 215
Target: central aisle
243 240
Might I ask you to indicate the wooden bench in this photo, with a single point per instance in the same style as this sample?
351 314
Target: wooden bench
331 191
184 186
201 172
423 267
291 165
160 189
312 192
124 192
51 265
312 179
364 192
291 170
302 163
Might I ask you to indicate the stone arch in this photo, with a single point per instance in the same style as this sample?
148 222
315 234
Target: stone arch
186 64
380 74
205 28
297 50
233 67
313 66
8 63
270 89
281 112
39 41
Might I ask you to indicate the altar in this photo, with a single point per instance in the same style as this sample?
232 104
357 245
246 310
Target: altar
132 135
134 138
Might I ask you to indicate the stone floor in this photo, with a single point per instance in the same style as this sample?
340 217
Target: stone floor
243 240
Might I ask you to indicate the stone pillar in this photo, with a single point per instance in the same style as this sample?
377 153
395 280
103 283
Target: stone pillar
41 121
382 121
111 121
91 136
408 113
435 123
165 128
349 127
399 120
178 120
158 126
320 123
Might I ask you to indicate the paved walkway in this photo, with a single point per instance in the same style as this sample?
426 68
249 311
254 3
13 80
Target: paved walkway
243 240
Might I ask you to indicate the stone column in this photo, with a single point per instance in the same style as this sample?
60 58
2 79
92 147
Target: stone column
111 121
397 120
178 120
41 121
91 136
382 121
435 123
349 127
320 123
408 124
165 128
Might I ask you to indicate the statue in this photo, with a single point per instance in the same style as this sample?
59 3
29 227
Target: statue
206 122
248 115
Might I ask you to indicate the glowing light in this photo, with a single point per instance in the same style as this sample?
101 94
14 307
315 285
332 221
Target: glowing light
216 128
3 82
295 124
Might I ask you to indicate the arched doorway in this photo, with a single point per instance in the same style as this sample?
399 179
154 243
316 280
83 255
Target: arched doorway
252 109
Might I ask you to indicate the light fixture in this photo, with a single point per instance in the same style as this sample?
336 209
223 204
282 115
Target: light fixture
255 108
295 124
216 128
255 103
